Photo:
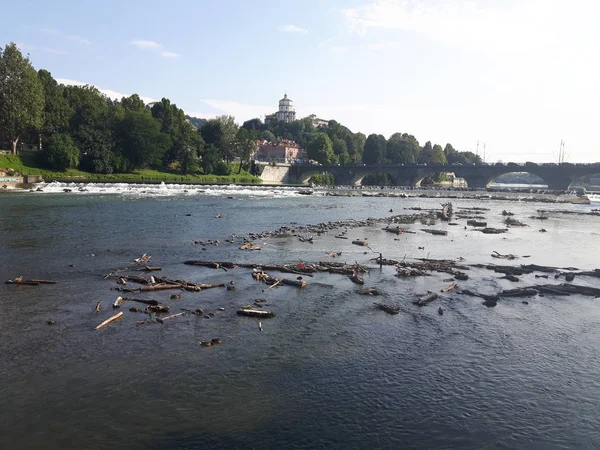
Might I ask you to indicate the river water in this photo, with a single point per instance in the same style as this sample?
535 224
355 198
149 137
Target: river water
329 371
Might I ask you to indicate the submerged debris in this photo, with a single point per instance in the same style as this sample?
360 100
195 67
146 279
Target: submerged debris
390 309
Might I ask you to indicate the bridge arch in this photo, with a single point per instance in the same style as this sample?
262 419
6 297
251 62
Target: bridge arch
387 178
522 177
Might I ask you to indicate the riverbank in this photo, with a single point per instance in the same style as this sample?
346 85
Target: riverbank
26 165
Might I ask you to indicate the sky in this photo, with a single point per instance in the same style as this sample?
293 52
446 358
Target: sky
515 76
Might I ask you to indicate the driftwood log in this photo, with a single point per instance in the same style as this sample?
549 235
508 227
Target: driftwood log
109 320
21 280
162 320
140 300
426 299
255 313
390 309
435 232
368 292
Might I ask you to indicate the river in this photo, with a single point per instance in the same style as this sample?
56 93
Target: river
329 370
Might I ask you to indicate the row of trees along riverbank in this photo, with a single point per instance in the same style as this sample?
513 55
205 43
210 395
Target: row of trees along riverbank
78 127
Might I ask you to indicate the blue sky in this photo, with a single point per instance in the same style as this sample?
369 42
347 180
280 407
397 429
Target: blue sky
518 76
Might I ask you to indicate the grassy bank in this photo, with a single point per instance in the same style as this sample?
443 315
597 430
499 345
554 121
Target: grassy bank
26 165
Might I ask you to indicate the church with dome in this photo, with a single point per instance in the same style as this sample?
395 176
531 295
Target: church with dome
286 112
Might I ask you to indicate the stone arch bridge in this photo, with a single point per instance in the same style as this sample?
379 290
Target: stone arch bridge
557 177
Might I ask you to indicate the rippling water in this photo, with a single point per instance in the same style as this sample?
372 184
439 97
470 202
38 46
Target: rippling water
329 371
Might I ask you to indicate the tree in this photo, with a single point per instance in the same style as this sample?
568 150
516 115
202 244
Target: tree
432 155
188 148
254 124
411 148
438 155
140 140
210 158
91 126
426 155
395 149
320 149
212 132
61 152
57 112
374 152
197 122
227 143
339 146
268 136
246 145
453 156
21 95
133 103
356 146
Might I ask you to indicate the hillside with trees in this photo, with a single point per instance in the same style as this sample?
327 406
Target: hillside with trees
78 127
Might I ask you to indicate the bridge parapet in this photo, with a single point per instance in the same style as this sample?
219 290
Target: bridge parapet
557 177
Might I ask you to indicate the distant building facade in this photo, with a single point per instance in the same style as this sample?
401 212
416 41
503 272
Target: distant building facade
282 152
286 112
318 123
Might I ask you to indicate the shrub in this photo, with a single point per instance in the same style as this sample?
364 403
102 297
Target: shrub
61 152
222 168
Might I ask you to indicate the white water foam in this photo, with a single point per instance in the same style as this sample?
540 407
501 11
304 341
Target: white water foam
166 190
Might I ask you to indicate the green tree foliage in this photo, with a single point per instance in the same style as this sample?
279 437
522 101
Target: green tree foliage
375 149
133 103
228 143
438 155
377 179
222 168
188 146
91 127
254 125
21 96
61 152
246 145
426 155
57 112
268 136
121 135
402 149
140 140
212 132
432 154
320 149
322 179
455 157
196 122
394 149
356 146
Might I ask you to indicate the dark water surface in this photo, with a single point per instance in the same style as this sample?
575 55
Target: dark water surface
329 371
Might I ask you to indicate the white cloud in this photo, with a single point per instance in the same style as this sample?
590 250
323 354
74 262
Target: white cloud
141 43
486 25
240 111
293 29
54 32
154 46
27 47
108 92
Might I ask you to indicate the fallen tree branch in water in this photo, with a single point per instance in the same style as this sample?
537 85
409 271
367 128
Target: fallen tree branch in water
109 320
